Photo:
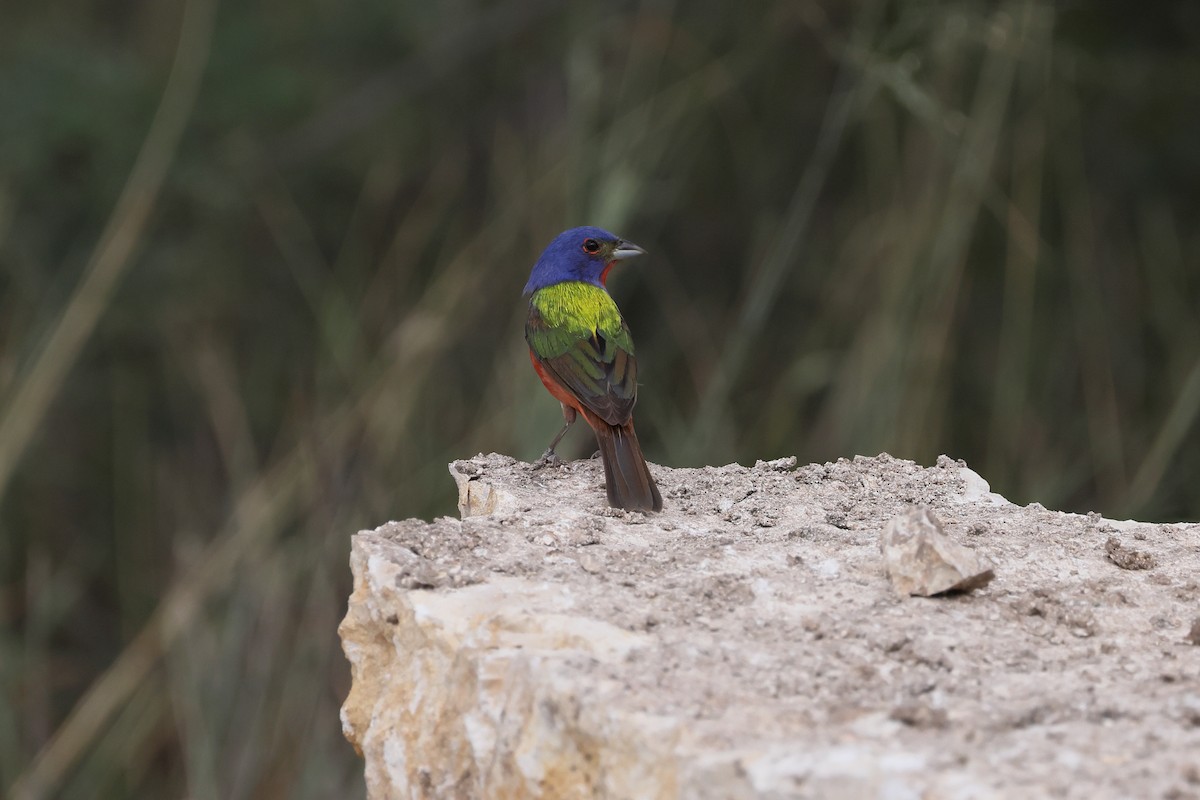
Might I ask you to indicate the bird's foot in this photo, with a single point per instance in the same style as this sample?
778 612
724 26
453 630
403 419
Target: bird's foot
548 459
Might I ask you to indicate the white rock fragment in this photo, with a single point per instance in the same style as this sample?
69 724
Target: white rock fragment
921 560
977 490
477 495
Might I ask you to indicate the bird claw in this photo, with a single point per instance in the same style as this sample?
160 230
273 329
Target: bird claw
548 459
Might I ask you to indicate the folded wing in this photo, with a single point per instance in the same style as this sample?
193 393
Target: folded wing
598 367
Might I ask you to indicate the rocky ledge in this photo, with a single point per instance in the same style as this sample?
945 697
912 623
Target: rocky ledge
748 642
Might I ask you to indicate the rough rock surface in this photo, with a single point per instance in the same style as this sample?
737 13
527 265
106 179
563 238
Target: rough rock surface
921 559
746 643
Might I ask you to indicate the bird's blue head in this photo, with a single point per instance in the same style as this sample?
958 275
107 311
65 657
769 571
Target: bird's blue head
580 254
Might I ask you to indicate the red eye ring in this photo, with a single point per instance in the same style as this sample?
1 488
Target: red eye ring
591 246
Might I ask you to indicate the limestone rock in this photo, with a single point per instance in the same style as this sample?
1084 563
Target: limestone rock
921 560
746 643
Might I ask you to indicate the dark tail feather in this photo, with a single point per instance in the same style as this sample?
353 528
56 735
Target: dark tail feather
626 476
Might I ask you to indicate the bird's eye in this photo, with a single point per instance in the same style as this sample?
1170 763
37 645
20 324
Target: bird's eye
591 246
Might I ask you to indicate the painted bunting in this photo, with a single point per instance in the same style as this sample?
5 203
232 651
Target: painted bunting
581 349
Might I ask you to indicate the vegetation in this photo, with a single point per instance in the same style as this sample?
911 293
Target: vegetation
260 269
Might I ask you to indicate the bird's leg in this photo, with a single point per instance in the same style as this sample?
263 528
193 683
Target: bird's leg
550 458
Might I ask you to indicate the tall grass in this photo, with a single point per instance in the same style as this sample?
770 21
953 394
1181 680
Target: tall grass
236 329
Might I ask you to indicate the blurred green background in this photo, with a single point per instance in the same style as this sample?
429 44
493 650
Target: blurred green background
260 273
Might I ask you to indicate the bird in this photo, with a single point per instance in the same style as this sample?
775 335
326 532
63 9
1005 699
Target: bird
582 350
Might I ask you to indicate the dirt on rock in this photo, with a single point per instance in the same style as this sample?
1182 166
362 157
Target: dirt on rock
772 631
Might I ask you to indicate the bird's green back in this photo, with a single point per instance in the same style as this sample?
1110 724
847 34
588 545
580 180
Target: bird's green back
571 311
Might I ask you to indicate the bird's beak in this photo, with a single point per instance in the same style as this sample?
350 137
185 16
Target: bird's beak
625 250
